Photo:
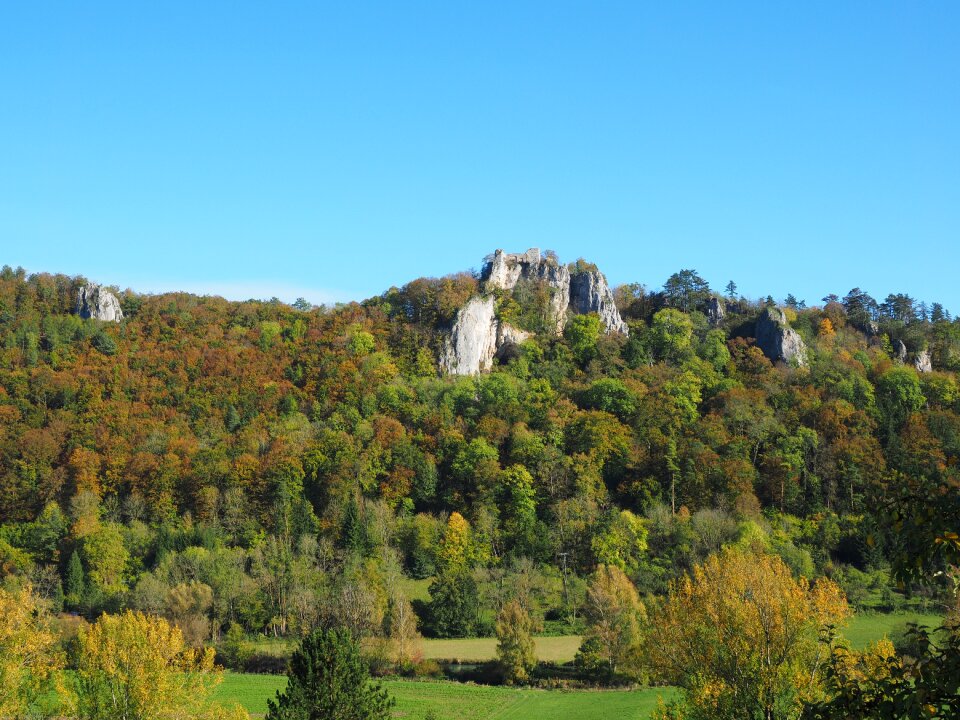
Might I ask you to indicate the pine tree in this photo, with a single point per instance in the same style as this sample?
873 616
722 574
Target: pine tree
353 530
76 583
328 680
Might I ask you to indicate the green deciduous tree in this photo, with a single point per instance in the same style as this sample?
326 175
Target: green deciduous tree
671 334
615 616
516 653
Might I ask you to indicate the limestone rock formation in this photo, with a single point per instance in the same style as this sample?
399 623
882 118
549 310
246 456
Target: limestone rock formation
900 351
777 339
98 303
505 270
716 311
472 344
922 362
478 337
582 292
589 293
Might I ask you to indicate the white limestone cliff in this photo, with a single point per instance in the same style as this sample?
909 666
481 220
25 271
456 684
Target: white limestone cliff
98 303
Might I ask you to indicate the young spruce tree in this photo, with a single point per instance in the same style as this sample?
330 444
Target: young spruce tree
328 680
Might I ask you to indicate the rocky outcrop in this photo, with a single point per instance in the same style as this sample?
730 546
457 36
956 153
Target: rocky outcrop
900 351
95 302
589 293
472 344
582 292
504 270
716 311
922 362
477 337
777 339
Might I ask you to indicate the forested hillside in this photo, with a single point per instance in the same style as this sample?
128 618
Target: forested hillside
265 467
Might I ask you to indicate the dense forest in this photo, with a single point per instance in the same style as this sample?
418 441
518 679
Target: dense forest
255 467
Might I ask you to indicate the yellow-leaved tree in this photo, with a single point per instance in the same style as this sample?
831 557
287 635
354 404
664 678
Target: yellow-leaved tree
740 636
28 654
615 617
138 667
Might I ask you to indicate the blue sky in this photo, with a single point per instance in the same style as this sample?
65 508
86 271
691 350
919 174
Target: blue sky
331 150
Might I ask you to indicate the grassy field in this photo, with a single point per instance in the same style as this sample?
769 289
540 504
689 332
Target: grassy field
559 649
462 701
458 701
865 629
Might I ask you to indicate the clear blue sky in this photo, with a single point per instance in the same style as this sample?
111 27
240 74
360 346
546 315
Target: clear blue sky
334 149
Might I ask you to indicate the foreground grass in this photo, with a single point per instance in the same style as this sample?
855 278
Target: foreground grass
447 700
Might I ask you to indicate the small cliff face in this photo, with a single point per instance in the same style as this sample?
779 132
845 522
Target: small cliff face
922 362
777 339
716 311
900 351
579 293
589 293
472 344
95 302
478 337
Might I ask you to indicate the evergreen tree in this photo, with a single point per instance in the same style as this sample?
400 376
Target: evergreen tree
76 582
454 604
353 530
328 680
731 290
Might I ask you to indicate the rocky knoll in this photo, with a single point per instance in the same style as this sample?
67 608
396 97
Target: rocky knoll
777 339
922 362
98 303
478 336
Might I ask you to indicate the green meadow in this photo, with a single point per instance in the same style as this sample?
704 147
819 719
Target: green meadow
446 700
465 701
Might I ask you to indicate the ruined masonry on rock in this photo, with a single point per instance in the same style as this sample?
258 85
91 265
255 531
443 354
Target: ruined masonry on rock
478 337
95 302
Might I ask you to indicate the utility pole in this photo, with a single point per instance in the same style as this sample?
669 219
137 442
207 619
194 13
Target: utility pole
566 591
